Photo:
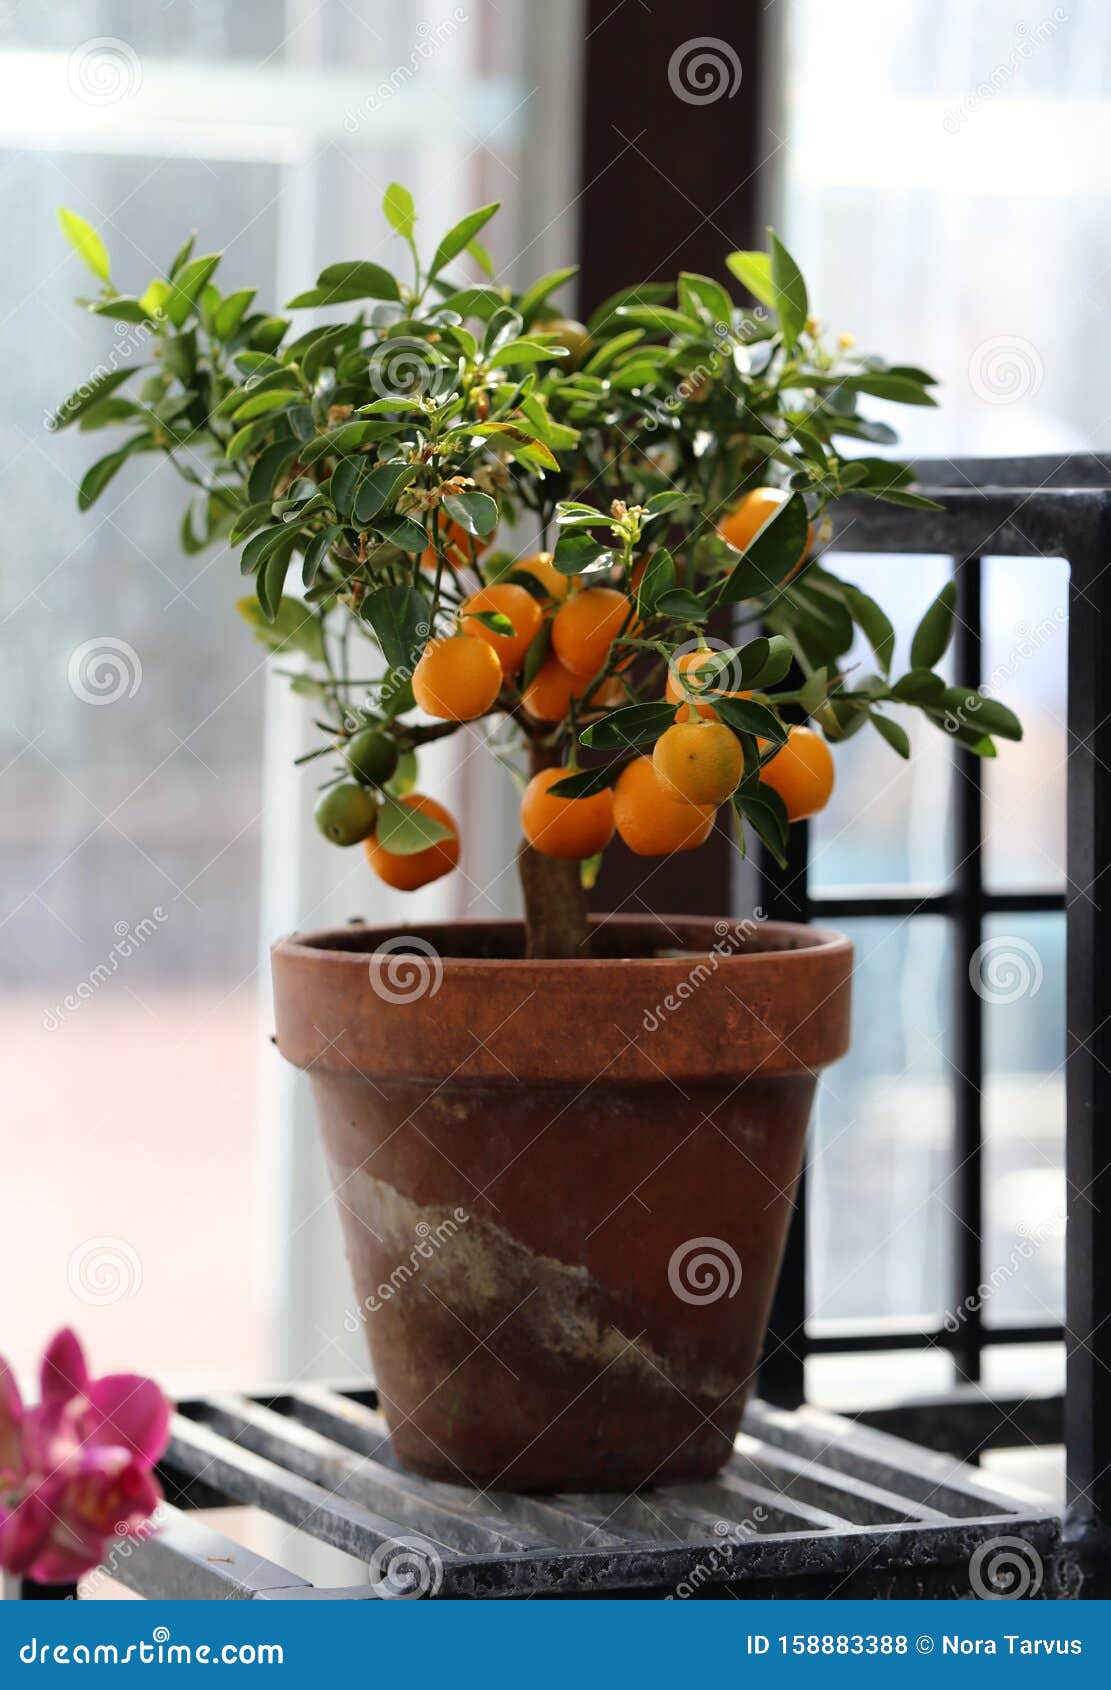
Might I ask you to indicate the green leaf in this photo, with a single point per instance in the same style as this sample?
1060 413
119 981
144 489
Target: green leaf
791 304
576 552
269 467
97 478
770 558
495 620
586 783
404 831
294 627
86 243
230 312
658 578
481 257
883 385
186 286
260 404
317 551
524 352
765 812
400 531
342 483
778 662
635 724
918 686
259 547
476 513
754 271
681 603
89 394
933 633
702 296
340 283
744 715
535 296
976 710
400 618
380 487
399 210
272 573
893 732
460 236
874 624
537 653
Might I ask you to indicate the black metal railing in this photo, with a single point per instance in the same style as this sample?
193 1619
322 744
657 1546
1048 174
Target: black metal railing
1054 509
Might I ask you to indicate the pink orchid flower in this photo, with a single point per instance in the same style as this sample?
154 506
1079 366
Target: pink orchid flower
75 1470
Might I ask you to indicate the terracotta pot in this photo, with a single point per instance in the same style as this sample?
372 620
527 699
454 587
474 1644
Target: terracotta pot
564 1186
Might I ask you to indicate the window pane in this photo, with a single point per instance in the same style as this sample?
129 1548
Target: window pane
879 1227
1025 663
888 820
1021 969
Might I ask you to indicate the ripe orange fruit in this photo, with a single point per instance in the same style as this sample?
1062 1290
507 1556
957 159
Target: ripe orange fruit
547 698
701 761
457 678
684 662
456 543
541 567
802 773
565 827
586 626
740 525
649 817
407 873
516 603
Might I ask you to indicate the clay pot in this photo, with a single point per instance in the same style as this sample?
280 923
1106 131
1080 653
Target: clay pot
564 1186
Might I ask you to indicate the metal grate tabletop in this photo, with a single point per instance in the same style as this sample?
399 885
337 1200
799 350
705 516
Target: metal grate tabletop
809 1503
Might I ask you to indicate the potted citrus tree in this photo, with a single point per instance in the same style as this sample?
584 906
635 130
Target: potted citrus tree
564 1148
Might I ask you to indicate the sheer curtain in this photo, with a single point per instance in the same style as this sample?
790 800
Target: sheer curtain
161 1188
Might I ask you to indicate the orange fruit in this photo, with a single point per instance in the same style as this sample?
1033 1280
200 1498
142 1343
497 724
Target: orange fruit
802 773
684 662
407 873
565 827
456 543
547 698
741 525
585 627
516 603
457 678
701 761
649 817
541 567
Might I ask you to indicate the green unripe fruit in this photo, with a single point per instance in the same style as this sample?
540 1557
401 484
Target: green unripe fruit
371 756
572 335
346 813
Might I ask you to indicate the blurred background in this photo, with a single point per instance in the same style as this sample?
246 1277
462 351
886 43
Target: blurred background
161 1184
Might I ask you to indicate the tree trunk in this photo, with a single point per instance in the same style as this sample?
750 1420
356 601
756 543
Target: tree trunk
555 901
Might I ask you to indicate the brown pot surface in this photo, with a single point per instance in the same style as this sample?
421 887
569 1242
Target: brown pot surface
564 1186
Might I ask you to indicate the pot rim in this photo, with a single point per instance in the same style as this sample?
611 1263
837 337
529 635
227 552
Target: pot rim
801 942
